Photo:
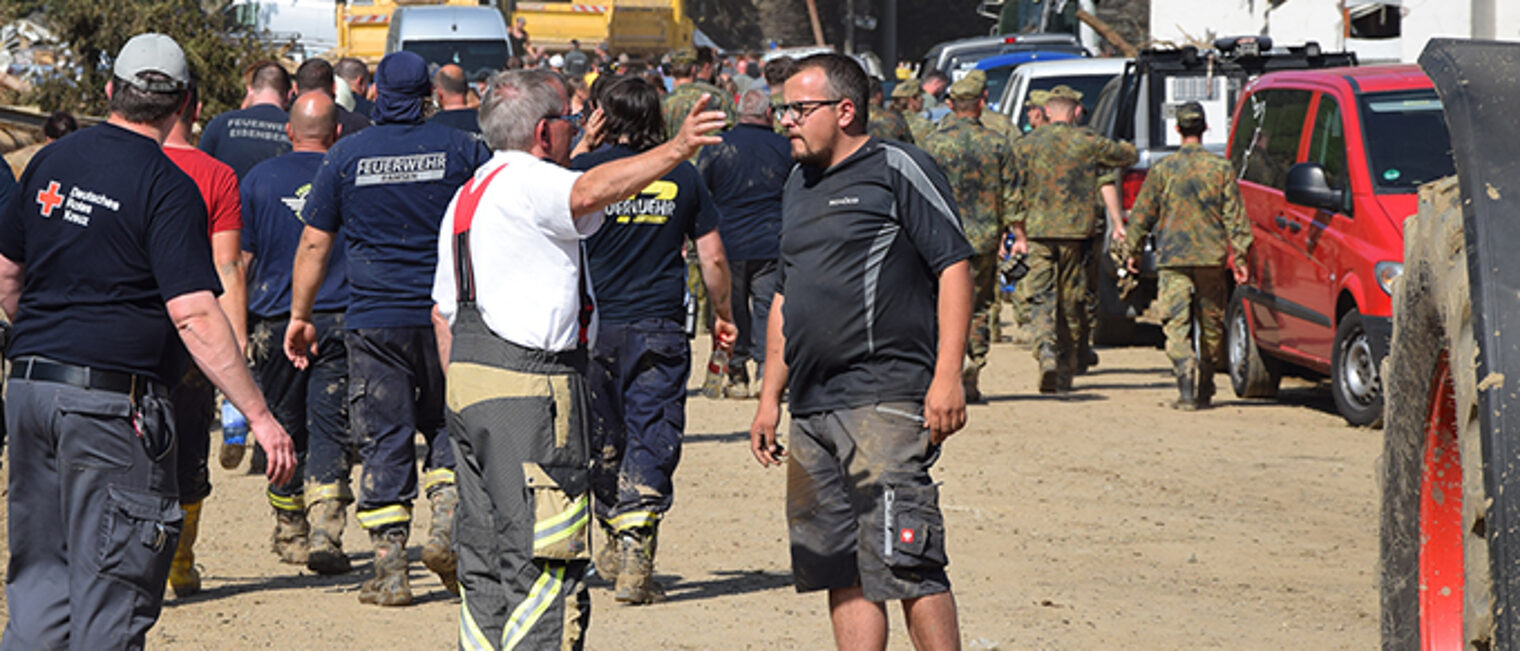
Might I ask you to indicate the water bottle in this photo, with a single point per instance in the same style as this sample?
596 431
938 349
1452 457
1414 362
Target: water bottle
234 426
717 374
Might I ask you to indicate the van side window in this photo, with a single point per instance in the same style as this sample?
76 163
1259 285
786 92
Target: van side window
1327 144
1267 133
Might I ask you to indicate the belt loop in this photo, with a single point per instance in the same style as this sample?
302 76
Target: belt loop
87 383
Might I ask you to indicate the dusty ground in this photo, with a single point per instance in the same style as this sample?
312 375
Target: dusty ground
1097 520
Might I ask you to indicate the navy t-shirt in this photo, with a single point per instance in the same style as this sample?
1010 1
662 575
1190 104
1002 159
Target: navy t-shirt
273 193
862 247
746 174
635 258
109 230
246 137
7 186
386 188
465 119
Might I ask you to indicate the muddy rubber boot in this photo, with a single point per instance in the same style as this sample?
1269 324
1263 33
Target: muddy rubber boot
438 554
635 581
738 382
1205 397
184 579
1049 370
391 585
971 382
1187 379
291 537
608 558
325 548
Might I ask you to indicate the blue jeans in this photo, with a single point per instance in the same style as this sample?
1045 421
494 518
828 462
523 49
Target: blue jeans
637 376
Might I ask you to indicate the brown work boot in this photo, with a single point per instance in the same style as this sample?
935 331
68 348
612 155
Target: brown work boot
609 559
1049 370
971 382
291 536
1066 370
391 585
738 382
325 550
184 578
1187 378
635 581
1205 385
438 554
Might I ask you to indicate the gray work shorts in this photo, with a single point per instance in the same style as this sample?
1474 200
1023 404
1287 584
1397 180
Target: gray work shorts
860 506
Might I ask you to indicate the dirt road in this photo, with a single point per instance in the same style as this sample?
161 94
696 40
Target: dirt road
1098 520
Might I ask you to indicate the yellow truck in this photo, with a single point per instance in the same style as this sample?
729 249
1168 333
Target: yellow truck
644 27
362 24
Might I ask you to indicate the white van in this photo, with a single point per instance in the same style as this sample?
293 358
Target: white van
473 37
1085 75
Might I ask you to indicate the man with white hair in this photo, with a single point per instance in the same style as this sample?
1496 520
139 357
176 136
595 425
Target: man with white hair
515 318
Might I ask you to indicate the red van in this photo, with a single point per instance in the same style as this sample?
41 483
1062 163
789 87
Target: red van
1328 161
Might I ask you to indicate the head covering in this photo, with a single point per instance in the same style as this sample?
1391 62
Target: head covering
1190 116
152 53
401 83
684 56
1037 99
907 88
970 86
1067 92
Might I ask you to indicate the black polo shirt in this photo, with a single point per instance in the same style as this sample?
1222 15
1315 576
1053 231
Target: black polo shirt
109 229
862 246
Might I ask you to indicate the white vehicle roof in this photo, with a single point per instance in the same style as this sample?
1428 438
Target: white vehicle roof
1019 83
448 22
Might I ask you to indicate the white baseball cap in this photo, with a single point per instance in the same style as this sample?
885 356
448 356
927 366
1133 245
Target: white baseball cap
153 53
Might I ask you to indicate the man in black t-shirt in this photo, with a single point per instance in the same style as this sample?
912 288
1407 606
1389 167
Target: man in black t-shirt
871 319
642 358
249 136
104 259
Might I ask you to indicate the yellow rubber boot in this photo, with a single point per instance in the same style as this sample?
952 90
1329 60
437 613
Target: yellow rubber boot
184 579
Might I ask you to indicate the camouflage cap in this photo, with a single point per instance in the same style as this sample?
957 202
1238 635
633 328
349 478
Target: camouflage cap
1190 116
684 56
907 88
1067 92
970 86
1037 99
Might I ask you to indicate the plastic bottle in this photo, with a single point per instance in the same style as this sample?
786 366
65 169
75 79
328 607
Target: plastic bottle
234 425
717 374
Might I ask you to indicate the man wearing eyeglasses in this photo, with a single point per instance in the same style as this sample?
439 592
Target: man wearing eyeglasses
386 187
867 332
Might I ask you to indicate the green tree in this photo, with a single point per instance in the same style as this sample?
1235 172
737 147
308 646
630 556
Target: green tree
93 31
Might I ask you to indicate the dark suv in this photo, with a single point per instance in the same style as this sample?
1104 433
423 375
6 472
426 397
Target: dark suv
1138 106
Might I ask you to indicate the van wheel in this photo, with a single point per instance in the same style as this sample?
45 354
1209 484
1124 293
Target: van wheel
1354 381
1433 560
1252 374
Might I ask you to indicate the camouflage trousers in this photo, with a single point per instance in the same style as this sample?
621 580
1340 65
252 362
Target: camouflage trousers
984 307
1189 296
1057 294
697 289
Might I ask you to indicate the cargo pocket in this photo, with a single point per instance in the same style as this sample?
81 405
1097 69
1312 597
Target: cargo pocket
914 530
138 534
560 521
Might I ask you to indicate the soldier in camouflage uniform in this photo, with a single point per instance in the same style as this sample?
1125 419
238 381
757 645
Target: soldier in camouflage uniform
908 100
979 163
1059 166
691 70
884 121
1190 199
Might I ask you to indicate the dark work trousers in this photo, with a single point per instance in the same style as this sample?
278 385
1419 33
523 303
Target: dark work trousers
194 401
312 405
518 420
395 390
638 377
754 285
94 515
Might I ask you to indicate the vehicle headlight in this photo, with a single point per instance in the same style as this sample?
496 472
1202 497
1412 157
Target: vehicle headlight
1386 271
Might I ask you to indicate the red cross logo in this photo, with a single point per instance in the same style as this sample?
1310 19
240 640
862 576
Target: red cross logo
49 198
907 536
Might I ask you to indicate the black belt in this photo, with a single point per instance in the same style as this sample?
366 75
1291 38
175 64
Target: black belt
84 377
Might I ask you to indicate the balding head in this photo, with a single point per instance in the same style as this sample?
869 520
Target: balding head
450 87
313 122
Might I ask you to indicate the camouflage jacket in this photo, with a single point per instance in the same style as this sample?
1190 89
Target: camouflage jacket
889 124
918 125
979 164
679 102
1000 123
1191 201
1059 166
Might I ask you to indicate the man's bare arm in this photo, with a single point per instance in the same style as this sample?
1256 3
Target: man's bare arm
306 275
762 432
12 274
208 337
945 404
716 276
444 336
227 253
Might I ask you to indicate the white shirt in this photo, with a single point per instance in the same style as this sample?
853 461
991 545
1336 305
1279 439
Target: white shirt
526 251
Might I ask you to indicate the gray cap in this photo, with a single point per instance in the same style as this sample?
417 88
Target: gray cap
153 53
